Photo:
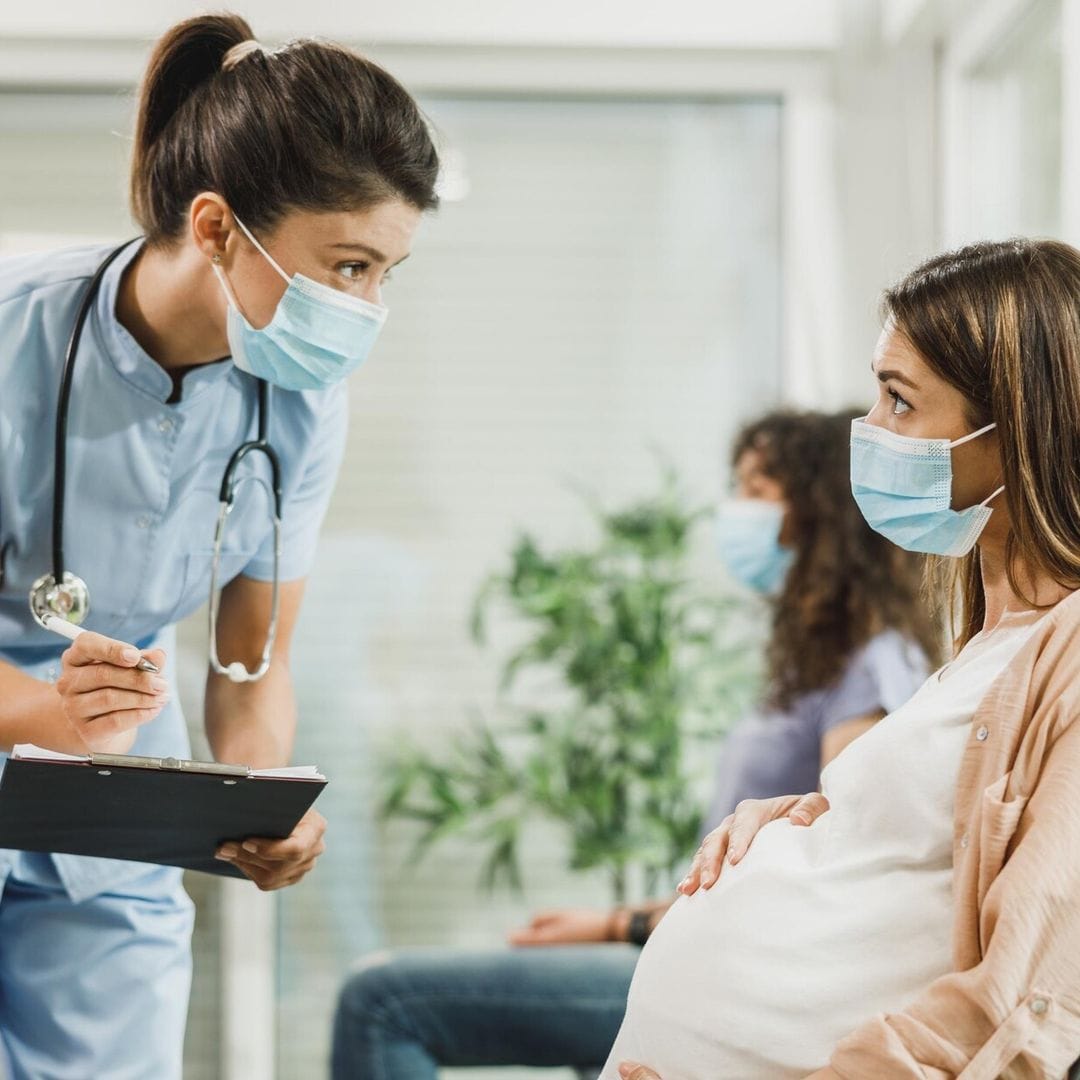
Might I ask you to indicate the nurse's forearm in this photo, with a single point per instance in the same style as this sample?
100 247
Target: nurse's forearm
252 723
31 712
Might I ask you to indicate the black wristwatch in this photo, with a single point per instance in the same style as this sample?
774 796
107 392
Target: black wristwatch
638 930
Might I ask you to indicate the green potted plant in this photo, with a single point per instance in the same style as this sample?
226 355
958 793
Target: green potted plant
647 660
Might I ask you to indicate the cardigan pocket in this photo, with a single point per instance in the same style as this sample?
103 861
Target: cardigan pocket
998 821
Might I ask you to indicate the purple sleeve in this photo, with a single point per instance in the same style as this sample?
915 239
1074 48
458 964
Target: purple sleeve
880 677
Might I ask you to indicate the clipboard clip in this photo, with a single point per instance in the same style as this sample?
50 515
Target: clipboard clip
170 764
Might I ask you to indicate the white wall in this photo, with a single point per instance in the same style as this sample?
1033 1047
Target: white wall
887 177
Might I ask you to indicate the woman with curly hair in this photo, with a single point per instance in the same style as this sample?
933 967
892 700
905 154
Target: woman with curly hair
850 642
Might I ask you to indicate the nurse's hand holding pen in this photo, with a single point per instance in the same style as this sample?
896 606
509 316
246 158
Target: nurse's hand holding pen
104 696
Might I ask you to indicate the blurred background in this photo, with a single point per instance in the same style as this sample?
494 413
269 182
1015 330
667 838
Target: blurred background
657 221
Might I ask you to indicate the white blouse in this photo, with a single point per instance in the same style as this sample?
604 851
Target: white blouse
818 928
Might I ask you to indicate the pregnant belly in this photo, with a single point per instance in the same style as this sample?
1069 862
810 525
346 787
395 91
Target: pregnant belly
760 976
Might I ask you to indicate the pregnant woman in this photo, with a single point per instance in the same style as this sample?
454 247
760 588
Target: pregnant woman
927 924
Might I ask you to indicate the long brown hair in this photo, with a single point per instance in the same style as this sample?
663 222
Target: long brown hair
311 126
1001 322
847 583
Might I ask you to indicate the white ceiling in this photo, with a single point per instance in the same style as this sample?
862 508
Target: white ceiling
710 24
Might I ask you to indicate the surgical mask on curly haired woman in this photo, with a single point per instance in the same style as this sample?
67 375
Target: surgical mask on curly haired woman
748 539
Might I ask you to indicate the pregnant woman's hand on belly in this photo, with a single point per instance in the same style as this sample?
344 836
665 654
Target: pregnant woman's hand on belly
736 832
104 696
631 1070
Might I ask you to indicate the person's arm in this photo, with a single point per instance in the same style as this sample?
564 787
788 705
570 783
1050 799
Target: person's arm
653 910
253 723
31 711
847 731
97 703
580 926
877 679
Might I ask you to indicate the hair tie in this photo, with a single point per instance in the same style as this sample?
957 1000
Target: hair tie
240 51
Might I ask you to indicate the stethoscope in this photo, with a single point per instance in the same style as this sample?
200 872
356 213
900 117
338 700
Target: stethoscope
66 595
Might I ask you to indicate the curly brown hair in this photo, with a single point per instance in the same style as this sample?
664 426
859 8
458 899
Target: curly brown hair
847 582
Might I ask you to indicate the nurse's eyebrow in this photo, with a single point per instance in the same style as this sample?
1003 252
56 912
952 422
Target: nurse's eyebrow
885 376
373 253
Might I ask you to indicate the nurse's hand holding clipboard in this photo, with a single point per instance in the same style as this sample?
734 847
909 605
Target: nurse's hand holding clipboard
274 864
253 723
104 696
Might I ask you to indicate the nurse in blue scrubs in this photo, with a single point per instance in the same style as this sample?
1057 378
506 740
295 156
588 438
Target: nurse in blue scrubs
274 191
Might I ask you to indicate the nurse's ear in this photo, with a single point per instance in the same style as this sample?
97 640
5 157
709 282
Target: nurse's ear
255 285
211 225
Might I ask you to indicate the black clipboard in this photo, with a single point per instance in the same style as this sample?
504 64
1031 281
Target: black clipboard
167 811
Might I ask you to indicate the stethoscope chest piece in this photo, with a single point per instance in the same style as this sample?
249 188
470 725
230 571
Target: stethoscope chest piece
69 600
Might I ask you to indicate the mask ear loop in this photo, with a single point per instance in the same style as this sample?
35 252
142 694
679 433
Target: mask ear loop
265 254
215 265
973 435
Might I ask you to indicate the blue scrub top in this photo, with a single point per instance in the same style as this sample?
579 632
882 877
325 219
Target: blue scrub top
143 479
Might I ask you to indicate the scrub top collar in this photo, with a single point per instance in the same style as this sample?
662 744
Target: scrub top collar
131 361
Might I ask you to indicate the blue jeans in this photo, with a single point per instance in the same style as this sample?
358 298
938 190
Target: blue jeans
402 1015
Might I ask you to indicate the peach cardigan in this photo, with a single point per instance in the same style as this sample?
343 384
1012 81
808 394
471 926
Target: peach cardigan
1011 1006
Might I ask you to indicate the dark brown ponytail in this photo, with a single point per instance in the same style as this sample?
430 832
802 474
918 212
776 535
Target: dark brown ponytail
310 126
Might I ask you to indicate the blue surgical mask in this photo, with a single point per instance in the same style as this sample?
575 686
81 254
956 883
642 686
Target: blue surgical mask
748 538
904 489
317 336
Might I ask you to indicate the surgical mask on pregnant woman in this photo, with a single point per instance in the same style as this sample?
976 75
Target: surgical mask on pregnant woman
903 487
